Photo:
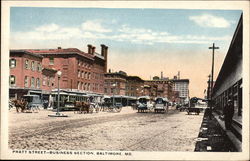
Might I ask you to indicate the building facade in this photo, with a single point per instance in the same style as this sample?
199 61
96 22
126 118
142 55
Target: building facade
160 87
134 86
182 87
27 74
35 69
115 83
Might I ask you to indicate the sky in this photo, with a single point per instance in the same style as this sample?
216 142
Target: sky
142 42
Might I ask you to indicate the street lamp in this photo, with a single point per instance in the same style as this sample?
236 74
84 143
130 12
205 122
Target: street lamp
114 85
59 73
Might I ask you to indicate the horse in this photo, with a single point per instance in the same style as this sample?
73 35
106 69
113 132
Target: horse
82 107
20 104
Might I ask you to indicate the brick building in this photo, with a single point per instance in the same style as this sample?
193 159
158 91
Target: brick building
134 86
35 69
159 87
27 73
115 83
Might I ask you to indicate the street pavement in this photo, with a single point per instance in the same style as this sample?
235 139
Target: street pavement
125 131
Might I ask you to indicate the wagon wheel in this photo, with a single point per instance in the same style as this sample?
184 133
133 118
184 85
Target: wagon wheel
118 109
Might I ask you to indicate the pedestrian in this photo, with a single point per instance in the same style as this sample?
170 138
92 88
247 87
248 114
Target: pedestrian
228 114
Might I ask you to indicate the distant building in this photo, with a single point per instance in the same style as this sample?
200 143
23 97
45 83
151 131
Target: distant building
134 86
182 87
160 87
115 83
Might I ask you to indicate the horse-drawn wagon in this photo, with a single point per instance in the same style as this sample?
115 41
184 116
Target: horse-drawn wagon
161 105
144 104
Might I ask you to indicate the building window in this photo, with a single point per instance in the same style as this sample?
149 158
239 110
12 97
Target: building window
82 74
85 86
85 75
82 86
105 90
48 82
26 65
32 83
12 80
78 85
26 81
12 63
51 61
44 80
79 63
39 67
89 76
52 81
38 83
33 65
88 87
79 73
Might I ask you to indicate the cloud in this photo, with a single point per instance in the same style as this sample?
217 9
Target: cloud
95 26
48 28
207 20
126 33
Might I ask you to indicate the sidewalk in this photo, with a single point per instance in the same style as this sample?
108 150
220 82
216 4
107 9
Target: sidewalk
212 137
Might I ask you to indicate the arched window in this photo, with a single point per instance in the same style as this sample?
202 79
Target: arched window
26 64
32 82
78 85
12 63
38 83
33 65
39 67
79 73
82 74
26 81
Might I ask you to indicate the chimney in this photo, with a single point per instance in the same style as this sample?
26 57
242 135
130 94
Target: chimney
161 75
89 49
103 50
93 49
104 53
106 58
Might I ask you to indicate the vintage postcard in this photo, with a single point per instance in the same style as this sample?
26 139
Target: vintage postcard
125 80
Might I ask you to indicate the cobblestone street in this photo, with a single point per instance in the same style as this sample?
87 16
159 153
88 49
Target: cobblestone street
127 130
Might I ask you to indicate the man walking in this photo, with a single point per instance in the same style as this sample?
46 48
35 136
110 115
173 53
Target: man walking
228 113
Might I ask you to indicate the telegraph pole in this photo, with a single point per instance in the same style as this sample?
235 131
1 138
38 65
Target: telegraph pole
212 77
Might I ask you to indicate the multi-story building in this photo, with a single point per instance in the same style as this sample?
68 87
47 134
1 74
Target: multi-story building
115 83
182 87
35 69
162 87
134 86
27 75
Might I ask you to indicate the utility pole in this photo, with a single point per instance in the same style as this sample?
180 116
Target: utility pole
212 77
208 88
